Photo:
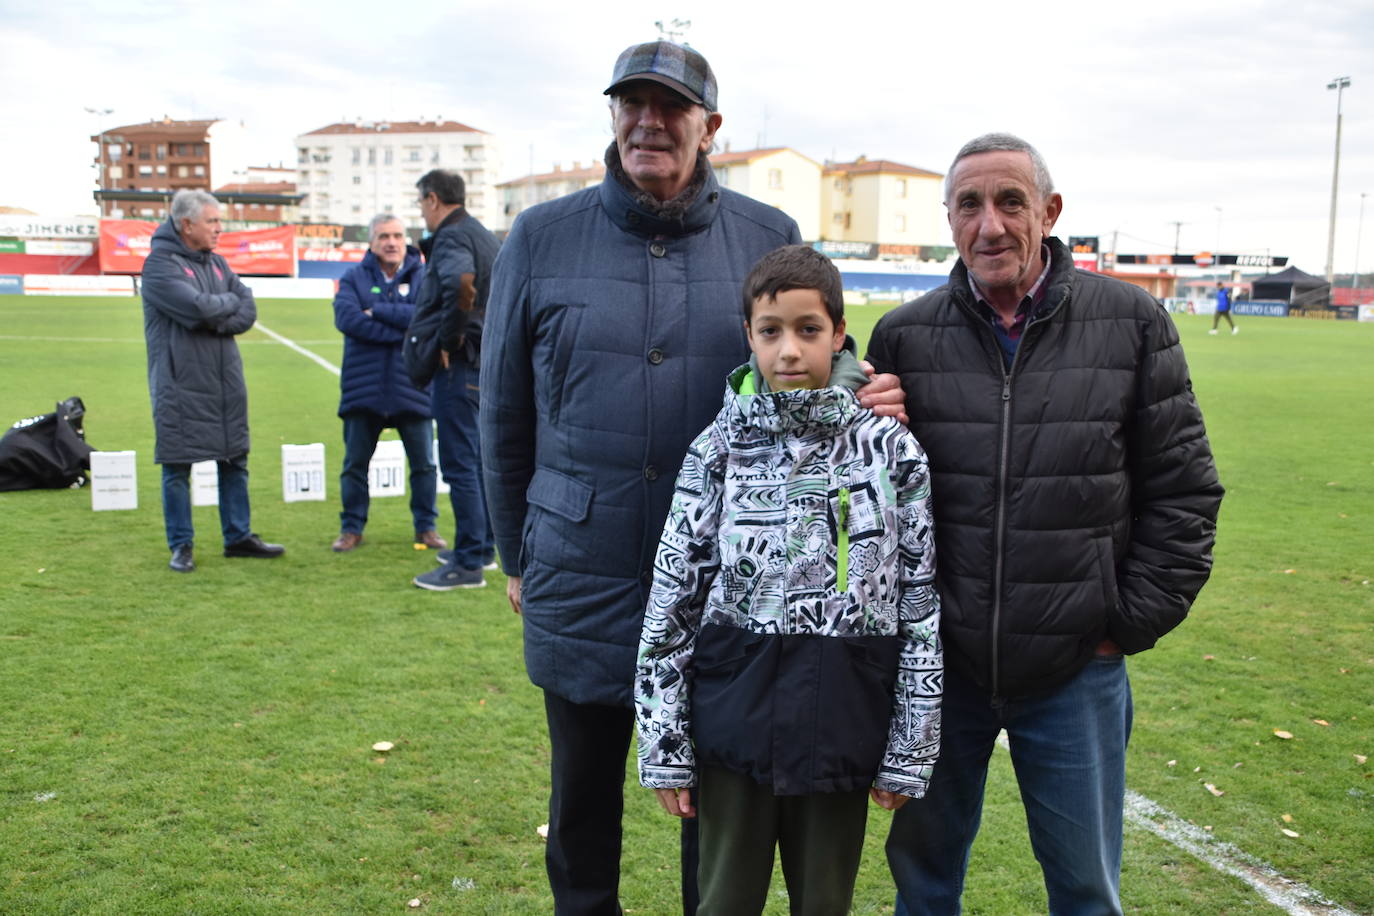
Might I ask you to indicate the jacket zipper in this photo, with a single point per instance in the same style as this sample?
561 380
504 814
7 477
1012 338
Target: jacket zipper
842 542
1003 462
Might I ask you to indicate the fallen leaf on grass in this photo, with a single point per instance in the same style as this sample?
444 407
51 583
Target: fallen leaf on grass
1206 826
414 903
1322 722
542 830
383 746
1360 758
1208 658
1280 733
1286 818
1289 572
1171 763
1213 789
1292 833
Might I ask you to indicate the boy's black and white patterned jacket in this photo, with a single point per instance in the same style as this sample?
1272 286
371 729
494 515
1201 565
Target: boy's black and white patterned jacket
792 632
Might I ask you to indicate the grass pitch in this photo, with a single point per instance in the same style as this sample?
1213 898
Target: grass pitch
202 743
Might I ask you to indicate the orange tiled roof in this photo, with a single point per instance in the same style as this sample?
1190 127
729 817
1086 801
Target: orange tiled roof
747 155
395 127
164 125
596 170
258 187
878 166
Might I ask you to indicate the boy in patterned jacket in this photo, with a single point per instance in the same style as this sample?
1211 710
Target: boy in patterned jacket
790 661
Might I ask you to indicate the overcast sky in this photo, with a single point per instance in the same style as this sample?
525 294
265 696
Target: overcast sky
1148 114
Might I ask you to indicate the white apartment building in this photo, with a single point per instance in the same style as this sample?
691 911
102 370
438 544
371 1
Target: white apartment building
876 200
522 193
778 176
351 171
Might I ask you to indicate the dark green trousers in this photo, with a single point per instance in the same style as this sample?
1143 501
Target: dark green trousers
820 838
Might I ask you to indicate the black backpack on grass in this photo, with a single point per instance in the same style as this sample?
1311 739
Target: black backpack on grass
48 451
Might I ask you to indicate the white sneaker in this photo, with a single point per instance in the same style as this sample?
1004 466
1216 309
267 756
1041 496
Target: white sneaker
1213 331
1235 330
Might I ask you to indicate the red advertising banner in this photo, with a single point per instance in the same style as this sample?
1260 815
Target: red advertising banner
260 251
125 243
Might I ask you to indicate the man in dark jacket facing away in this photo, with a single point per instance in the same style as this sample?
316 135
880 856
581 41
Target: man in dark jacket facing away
193 307
373 307
1075 511
458 260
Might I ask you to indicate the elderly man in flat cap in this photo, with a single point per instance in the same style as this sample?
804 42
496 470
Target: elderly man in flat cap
613 320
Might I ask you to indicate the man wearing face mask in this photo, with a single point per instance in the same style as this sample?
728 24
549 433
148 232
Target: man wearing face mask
612 323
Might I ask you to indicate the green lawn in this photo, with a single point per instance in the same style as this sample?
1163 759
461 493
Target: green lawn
202 743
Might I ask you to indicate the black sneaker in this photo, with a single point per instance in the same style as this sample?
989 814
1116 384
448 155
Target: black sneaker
447 578
182 560
253 546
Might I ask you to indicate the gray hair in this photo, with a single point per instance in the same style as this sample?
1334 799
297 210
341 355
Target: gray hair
998 142
190 204
377 221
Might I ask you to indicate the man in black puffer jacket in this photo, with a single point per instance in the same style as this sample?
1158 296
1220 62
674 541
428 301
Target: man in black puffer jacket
1075 503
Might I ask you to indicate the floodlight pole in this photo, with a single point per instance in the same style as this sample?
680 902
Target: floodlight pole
101 176
1339 84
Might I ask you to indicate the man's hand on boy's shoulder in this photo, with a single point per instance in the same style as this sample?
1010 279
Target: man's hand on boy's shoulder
677 802
889 800
883 394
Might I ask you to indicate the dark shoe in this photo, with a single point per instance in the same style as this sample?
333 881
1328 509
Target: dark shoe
429 540
253 546
445 557
447 578
182 561
346 541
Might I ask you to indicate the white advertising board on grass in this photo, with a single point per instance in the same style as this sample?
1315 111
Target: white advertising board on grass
205 483
290 287
77 285
302 473
114 480
386 472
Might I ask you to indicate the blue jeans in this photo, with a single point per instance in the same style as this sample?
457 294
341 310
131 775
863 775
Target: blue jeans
361 431
1068 748
455 397
233 502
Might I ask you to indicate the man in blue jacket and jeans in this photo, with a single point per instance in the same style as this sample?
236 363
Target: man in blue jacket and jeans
373 308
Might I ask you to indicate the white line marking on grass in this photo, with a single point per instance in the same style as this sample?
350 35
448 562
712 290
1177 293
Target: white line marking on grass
286 341
1291 896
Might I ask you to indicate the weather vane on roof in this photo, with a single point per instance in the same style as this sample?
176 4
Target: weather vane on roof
673 30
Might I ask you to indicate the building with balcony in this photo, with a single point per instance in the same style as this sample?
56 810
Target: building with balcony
140 166
898 207
352 170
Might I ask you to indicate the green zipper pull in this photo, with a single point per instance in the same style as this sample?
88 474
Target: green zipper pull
842 545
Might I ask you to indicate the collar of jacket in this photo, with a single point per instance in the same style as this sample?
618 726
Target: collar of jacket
411 262
694 209
427 243
167 234
802 412
1058 284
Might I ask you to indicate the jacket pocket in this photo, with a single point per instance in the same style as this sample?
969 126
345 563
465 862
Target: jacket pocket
560 494
1106 561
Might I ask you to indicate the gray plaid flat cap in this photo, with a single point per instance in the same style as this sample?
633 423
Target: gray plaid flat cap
678 67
